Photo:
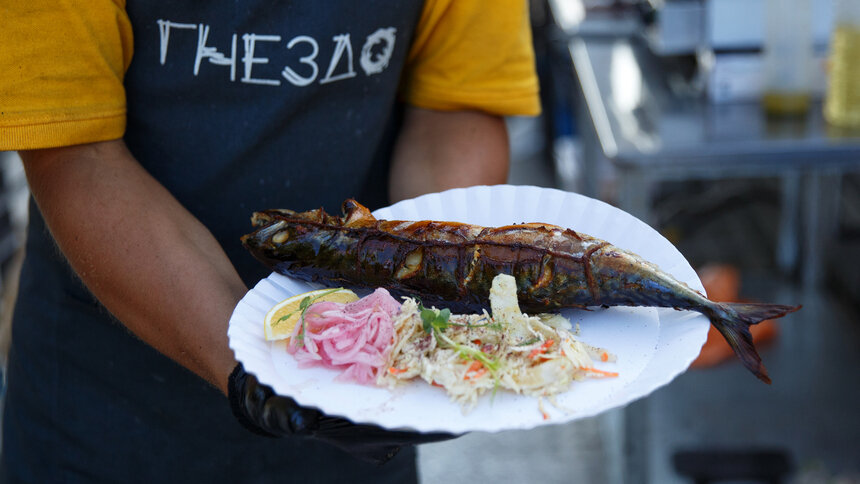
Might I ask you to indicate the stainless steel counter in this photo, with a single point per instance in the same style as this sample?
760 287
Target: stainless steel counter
642 124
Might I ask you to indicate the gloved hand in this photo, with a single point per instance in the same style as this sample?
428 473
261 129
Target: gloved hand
260 410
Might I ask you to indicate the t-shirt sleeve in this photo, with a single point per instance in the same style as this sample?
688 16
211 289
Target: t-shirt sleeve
63 66
473 54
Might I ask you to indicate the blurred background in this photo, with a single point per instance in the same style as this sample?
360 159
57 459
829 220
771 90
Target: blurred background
732 127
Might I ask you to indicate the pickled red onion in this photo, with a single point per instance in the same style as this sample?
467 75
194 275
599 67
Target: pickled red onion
354 337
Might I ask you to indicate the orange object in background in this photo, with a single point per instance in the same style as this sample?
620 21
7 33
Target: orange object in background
722 283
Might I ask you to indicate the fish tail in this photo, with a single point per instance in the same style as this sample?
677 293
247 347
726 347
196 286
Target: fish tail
733 320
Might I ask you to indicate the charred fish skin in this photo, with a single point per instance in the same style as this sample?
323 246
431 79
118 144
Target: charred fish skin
440 262
452 265
548 265
622 278
351 252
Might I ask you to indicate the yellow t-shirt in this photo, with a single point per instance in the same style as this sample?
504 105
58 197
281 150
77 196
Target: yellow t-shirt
64 66
473 55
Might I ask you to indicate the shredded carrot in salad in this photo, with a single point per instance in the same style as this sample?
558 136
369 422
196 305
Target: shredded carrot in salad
470 355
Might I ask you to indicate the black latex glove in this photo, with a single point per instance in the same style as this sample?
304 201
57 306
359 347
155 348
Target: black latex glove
259 409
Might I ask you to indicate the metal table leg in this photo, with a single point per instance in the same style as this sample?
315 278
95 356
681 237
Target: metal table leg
820 216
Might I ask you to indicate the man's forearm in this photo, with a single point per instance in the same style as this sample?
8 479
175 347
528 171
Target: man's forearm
147 259
438 150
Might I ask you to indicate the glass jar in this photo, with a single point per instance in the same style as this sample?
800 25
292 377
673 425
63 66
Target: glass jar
842 101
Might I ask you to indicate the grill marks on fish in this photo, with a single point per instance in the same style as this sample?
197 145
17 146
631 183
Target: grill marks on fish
411 264
589 271
473 264
448 261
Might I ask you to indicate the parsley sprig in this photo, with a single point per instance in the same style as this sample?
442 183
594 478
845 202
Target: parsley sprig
434 319
303 307
437 321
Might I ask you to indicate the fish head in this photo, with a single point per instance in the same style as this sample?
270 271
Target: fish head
280 232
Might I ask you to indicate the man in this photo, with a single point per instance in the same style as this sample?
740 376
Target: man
144 172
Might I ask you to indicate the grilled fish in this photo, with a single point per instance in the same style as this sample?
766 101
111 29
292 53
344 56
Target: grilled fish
453 264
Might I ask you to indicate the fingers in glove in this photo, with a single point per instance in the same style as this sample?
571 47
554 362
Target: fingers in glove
262 411
259 409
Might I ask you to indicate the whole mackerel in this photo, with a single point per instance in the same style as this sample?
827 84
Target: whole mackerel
452 265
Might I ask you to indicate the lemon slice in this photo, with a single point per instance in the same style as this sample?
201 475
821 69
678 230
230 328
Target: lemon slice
281 319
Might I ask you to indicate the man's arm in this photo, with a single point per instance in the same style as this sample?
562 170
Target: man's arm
158 269
437 150
161 273
148 260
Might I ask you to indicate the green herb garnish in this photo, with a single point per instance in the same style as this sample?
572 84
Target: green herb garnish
436 322
303 307
529 342
434 319
470 353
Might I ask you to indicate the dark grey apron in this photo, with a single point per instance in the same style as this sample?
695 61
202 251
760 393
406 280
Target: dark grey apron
234 106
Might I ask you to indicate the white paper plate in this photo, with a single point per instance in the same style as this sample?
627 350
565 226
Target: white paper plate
653 345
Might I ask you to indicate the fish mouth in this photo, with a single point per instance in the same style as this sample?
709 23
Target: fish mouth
266 231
